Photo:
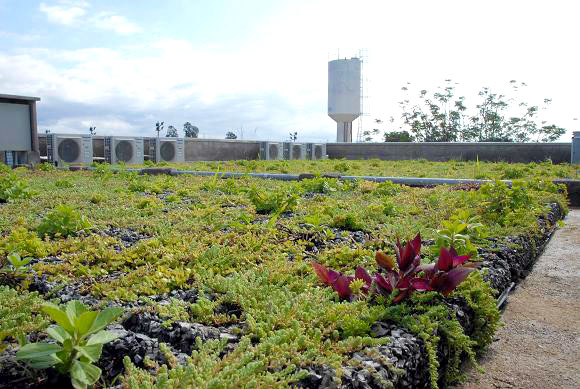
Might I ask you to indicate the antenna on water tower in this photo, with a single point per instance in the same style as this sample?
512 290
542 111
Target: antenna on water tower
364 106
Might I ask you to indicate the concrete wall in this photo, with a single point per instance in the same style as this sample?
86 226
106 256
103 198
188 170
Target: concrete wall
220 150
510 152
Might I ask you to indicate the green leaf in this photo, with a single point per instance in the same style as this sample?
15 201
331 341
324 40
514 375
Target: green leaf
73 310
44 362
37 350
60 317
91 352
77 384
58 333
84 373
104 318
102 337
85 321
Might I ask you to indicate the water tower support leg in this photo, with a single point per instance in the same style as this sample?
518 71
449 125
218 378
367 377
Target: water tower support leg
344 132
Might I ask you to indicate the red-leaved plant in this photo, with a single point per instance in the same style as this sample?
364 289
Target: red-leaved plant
403 274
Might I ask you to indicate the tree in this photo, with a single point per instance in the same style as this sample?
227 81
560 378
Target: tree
159 127
398 136
442 117
93 130
293 136
368 135
190 130
231 135
171 132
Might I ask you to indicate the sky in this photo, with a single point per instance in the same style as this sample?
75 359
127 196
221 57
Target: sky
259 67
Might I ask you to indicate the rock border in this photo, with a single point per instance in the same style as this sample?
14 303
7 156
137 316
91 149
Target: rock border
375 367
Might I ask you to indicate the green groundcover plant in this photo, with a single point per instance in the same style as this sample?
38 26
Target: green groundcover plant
249 264
79 337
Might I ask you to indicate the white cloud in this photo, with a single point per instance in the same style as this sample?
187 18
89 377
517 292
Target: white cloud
276 81
116 23
75 13
66 13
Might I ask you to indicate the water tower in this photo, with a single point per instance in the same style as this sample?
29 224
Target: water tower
344 95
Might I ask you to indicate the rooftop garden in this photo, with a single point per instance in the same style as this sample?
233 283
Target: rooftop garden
112 278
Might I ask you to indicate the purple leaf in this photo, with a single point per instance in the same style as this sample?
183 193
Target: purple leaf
342 287
445 261
421 284
325 275
428 269
454 278
416 244
384 285
361 274
385 261
460 260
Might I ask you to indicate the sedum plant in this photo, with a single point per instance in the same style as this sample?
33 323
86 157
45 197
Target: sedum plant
63 221
20 314
80 336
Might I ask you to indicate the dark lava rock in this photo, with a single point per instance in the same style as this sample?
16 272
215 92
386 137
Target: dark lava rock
180 334
127 236
402 362
134 345
14 374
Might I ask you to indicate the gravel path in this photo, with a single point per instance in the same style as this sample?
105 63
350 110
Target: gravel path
539 345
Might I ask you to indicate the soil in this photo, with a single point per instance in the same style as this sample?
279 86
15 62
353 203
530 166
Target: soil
539 345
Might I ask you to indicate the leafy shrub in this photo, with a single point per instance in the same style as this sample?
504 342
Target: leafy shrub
63 221
388 188
137 185
273 202
46 167
320 185
22 241
457 233
17 262
347 221
11 188
389 208
20 313
63 184
513 173
498 199
403 275
148 203
98 198
103 171
342 167
80 336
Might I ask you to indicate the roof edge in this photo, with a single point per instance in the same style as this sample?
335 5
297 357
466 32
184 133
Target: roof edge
16 97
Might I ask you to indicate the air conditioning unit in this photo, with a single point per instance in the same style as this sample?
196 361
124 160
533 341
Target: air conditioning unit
271 151
316 151
64 148
150 149
124 149
294 150
171 150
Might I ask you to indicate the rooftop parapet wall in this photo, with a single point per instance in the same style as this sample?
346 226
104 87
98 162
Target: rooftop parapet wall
500 151
220 150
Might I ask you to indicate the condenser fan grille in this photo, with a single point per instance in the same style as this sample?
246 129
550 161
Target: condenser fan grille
69 150
296 152
124 151
273 151
167 151
318 152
